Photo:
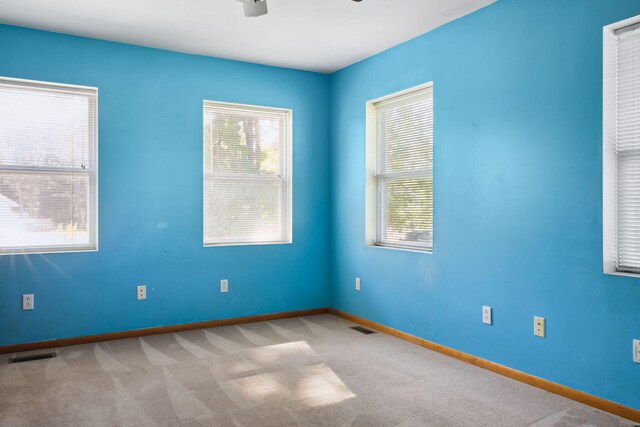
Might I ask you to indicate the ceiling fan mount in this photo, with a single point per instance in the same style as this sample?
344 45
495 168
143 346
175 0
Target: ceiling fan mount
255 8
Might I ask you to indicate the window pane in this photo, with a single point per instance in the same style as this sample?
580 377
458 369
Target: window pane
407 134
241 143
408 214
44 128
243 211
39 210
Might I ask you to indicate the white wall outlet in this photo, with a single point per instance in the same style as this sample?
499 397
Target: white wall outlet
28 302
486 315
539 328
141 292
636 351
224 286
357 283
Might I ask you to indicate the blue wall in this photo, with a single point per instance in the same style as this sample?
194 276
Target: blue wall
150 142
518 193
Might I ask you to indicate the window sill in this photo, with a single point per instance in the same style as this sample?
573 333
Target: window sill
47 251
622 273
402 248
218 245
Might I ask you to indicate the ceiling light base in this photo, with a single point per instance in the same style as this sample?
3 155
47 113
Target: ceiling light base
254 8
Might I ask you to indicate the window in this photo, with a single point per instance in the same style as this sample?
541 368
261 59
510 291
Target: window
400 170
621 148
48 167
247 174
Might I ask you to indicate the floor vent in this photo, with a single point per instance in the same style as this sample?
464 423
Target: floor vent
363 330
30 357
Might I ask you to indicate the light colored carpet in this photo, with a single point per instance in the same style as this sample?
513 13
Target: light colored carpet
311 371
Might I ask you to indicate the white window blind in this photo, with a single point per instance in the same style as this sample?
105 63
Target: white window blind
627 148
404 169
48 167
247 174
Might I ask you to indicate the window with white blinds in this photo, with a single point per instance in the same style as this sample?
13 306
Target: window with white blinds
622 147
48 167
247 174
400 164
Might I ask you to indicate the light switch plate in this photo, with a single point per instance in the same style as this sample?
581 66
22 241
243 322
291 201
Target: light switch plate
357 283
636 351
224 286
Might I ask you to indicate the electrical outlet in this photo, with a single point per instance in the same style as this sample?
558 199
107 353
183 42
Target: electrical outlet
357 283
142 292
224 286
539 328
486 315
28 302
636 351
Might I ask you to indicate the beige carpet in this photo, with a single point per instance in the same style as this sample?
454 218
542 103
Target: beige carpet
311 371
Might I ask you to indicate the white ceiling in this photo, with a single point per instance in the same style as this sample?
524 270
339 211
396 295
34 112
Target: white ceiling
316 35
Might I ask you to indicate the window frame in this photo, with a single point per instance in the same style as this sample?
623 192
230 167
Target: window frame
372 222
609 154
93 209
286 178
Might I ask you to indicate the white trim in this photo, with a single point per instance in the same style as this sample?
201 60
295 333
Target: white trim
97 168
244 177
622 274
248 107
609 164
47 251
225 244
36 169
62 87
289 176
371 195
402 248
401 93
